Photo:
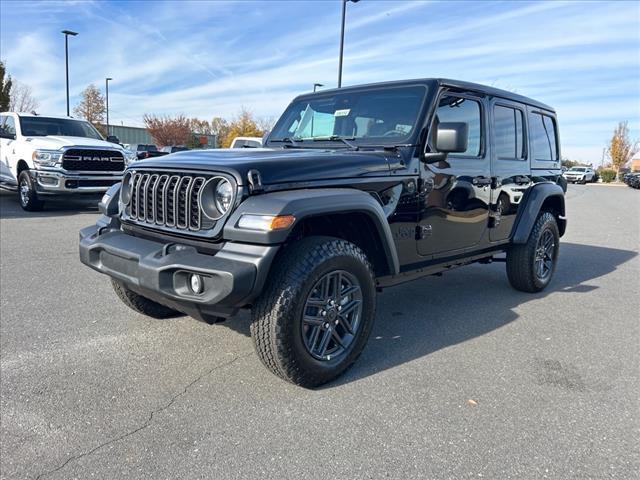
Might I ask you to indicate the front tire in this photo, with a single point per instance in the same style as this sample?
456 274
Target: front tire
27 195
313 319
530 266
142 304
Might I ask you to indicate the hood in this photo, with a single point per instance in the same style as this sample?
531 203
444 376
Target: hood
53 142
277 165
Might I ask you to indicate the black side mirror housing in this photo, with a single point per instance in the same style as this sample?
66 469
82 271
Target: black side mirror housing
451 137
112 139
10 136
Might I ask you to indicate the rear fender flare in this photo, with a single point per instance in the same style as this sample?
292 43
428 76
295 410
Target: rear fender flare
531 205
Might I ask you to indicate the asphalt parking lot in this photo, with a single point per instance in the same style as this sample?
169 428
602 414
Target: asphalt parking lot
463 376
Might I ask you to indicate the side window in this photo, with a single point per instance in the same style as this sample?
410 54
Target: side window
7 124
543 137
509 133
458 109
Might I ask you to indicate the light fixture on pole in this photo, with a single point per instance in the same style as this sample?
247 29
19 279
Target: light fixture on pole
344 14
106 82
316 85
66 59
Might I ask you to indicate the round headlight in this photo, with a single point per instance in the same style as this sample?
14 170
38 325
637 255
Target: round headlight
224 196
125 190
216 197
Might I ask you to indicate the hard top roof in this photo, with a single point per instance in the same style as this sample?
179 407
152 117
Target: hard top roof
445 82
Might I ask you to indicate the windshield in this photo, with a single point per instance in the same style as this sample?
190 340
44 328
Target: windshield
62 127
382 116
578 169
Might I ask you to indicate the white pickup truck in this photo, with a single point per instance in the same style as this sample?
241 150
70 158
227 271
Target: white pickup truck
44 156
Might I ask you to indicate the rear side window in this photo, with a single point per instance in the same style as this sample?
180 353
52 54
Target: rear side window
509 133
543 137
458 109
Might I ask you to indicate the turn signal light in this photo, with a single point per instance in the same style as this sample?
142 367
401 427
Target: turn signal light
266 223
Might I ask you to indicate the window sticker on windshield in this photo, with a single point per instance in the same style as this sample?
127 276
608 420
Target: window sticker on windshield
342 113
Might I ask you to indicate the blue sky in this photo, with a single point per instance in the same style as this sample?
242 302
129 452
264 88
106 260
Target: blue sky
207 59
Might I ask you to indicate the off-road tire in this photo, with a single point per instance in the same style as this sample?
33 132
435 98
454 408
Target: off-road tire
28 200
521 258
276 326
142 304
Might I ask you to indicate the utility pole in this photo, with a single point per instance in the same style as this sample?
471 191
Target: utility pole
106 81
66 59
344 14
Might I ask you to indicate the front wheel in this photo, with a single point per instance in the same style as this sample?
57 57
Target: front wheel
313 319
27 195
530 266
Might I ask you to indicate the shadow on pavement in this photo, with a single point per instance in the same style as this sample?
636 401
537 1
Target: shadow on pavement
64 206
421 317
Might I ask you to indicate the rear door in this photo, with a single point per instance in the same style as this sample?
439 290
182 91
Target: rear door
510 170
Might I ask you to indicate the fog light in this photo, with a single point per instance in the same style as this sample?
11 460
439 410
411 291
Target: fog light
196 283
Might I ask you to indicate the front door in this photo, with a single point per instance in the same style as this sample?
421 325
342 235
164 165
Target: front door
455 194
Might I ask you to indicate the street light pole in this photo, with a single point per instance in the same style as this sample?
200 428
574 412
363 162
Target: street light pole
66 59
344 14
316 85
106 81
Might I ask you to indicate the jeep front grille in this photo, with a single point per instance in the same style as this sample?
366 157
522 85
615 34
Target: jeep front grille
167 200
90 160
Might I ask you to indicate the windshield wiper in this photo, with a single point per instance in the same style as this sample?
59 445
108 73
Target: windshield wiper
289 141
334 138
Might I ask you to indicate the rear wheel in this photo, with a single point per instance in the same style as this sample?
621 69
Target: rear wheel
142 304
27 195
530 266
313 320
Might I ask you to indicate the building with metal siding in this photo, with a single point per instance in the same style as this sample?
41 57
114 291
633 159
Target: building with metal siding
132 135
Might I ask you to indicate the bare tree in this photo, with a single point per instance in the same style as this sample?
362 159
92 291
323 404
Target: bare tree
168 131
621 149
22 99
266 123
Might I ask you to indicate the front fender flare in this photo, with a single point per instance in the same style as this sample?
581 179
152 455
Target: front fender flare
308 203
530 208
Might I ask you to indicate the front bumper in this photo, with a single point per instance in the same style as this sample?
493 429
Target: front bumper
52 182
573 178
232 277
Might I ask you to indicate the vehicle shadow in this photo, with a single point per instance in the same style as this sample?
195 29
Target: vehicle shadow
10 208
421 317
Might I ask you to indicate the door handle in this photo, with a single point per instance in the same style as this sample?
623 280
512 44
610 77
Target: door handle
481 181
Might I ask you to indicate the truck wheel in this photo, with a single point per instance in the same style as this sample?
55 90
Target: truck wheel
27 195
530 266
313 319
142 304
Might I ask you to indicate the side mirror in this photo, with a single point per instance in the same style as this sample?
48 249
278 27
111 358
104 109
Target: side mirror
451 137
112 139
10 136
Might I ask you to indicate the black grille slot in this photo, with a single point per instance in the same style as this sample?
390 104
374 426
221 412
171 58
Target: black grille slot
162 199
89 160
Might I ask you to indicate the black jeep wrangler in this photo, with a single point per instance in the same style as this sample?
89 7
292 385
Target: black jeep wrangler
357 189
